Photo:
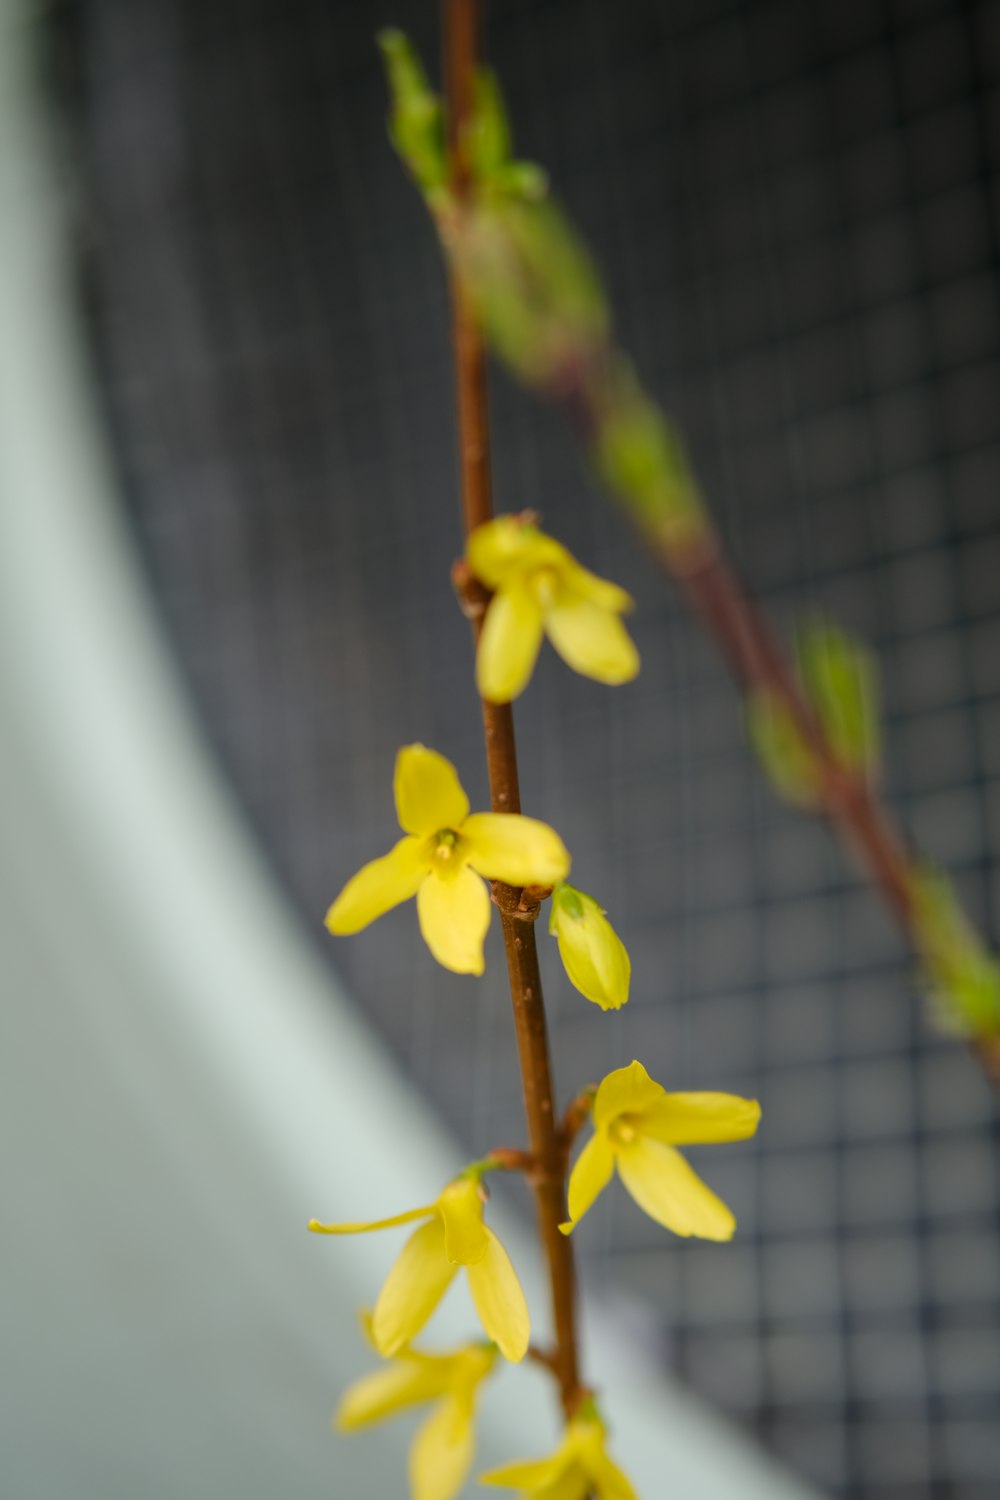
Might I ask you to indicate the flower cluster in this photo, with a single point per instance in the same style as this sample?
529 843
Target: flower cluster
445 858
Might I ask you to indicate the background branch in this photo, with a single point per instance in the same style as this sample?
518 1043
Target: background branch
518 265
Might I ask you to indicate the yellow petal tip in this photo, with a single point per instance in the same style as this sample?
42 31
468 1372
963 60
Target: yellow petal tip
492 692
387 1347
477 970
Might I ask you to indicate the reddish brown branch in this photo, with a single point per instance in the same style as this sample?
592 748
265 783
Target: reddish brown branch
849 803
461 26
757 660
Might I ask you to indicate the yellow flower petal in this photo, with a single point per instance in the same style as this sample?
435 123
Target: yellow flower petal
443 1450
413 1288
454 912
369 1224
586 1437
499 1300
600 591
625 1091
699 1119
461 1210
593 955
387 1391
518 850
378 886
504 547
592 641
671 1192
530 1474
589 1177
428 793
572 1484
609 1481
508 644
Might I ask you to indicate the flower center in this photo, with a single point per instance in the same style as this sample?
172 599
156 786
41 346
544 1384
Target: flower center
545 582
445 849
624 1129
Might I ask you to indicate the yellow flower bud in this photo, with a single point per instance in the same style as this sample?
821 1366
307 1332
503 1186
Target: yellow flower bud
593 955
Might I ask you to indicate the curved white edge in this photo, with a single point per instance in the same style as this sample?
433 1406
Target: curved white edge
184 1083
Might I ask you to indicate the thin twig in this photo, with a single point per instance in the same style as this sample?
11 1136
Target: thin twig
848 801
461 27
511 1159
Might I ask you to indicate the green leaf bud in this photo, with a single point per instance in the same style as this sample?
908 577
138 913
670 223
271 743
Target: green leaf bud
841 682
416 119
787 760
962 976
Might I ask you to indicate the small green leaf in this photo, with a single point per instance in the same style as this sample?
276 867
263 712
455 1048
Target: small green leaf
536 292
641 456
566 899
489 130
416 119
841 682
522 179
787 760
962 975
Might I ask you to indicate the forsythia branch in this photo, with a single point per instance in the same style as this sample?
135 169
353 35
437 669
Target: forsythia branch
461 24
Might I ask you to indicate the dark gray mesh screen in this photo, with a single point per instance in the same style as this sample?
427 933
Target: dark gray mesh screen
796 209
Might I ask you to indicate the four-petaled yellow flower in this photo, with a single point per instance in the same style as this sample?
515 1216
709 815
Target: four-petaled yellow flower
540 587
441 859
443 1449
453 1236
593 955
579 1468
637 1124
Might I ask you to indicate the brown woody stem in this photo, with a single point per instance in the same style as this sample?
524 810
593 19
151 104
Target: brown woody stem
461 28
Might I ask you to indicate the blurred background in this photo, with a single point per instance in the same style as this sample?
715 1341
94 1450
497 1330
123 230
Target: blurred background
796 211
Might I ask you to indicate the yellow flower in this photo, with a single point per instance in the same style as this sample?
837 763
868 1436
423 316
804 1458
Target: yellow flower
439 858
580 1467
443 1449
637 1124
453 1236
593 955
539 586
